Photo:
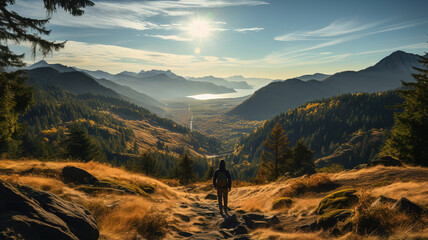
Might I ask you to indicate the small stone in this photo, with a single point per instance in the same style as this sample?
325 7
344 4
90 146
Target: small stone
211 196
182 217
185 234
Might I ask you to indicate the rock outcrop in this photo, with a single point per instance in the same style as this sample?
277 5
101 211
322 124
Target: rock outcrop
77 176
27 213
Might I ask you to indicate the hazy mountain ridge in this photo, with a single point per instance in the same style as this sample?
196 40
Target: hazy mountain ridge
74 81
222 82
281 96
315 76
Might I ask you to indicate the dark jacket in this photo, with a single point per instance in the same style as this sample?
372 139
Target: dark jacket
229 179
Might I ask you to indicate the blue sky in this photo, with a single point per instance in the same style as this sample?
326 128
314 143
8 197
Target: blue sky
253 38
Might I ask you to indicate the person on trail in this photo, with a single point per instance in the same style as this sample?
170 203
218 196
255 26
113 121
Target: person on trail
222 183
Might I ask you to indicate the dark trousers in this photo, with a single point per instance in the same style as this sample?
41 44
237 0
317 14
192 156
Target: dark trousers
222 193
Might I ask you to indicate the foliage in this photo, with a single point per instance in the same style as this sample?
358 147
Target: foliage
16 28
16 98
409 135
79 146
146 163
323 125
185 169
333 168
275 151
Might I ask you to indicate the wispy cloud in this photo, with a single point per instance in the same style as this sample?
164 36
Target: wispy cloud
129 14
336 28
244 30
171 37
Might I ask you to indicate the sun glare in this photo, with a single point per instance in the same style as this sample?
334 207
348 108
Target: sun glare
199 28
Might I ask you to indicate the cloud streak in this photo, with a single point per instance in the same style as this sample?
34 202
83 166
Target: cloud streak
244 30
128 14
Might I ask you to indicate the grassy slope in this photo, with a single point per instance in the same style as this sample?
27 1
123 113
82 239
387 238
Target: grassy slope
126 216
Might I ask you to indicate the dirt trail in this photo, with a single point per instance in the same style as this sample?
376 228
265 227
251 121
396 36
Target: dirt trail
198 218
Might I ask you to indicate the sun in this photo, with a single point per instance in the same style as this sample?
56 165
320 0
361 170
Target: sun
200 28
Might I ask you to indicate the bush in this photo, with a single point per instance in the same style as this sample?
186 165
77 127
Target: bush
281 203
342 199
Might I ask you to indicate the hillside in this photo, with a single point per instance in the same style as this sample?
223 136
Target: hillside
326 124
127 206
75 82
135 97
107 122
281 96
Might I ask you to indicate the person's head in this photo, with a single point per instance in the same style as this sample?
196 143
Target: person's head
222 165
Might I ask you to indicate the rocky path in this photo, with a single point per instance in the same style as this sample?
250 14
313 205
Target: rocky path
199 218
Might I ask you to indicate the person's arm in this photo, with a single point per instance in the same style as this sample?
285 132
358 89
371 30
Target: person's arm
229 178
215 179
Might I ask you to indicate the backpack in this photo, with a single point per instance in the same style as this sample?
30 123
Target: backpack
222 180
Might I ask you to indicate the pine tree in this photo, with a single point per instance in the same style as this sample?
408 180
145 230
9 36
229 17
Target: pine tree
79 146
275 151
147 163
16 98
185 169
16 28
302 161
409 135
209 173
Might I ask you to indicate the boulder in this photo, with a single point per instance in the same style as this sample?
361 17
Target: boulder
405 205
240 230
338 200
329 219
386 161
383 200
256 220
77 176
230 222
33 214
225 234
211 196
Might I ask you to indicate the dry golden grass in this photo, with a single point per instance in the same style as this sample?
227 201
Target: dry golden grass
320 182
270 235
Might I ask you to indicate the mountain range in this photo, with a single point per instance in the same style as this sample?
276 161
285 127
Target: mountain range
280 96
222 82
155 84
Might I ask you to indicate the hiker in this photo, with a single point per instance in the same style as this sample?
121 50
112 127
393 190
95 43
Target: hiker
222 183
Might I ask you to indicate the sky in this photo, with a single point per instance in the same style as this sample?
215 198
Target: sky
276 39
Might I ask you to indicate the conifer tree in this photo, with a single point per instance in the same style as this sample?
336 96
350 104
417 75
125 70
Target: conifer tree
409 135
147 163
275 151
79 146
16 98
302 161
185 169
16 29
